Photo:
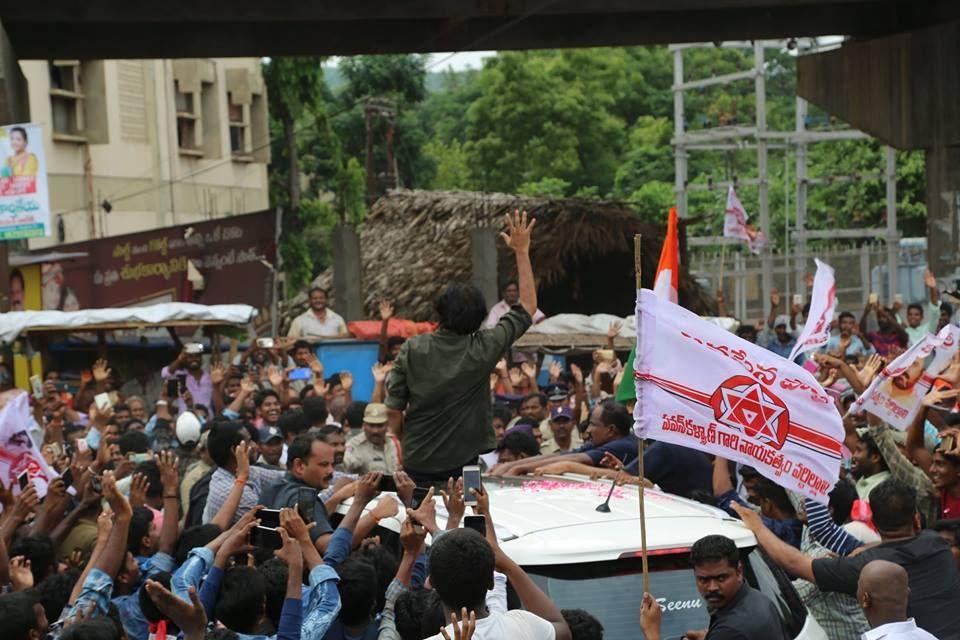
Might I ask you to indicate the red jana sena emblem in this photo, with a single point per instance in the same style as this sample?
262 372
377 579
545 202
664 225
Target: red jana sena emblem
746 405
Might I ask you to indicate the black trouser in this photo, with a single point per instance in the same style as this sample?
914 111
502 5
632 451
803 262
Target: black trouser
433 479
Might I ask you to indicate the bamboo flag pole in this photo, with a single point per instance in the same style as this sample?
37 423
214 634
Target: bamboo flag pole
638 270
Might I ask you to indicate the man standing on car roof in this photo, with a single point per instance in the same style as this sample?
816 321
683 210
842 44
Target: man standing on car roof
737 610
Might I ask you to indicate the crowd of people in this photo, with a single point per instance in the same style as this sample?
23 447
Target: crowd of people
243 498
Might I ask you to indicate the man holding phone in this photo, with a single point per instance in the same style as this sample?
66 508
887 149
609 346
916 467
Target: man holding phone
438 393
309 471
189 366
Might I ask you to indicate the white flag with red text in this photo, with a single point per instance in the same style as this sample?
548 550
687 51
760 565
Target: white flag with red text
702 387
735 224
896 394
823 304
18 452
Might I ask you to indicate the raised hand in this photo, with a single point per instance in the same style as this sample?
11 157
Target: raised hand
289 553
935 398
20 574
577 373
275 376
929 279
189 617
241 454
412 537
387 507
775 298
530 370
426 513
650 617
346 380
516 377
386 309
463 628
25 503
554 371
117 502
291 521
380 372
453 501
519 231
501 368
614 329
316 366
368 485
248 385
138 490
169 466
405 487
101 370
217 373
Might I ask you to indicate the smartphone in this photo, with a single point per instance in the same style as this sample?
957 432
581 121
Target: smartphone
873 299
471 480
477 523
265 343
194 348
173 388
266 538
300 373
606 355
269 518
797 299
96 484
62 387
67 477
387 483
82 445
103 401
23 480
898 298
37 385
306 503
419 495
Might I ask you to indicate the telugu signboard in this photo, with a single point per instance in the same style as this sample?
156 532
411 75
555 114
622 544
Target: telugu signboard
24 199
228 254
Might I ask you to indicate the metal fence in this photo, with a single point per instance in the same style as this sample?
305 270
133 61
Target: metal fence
859 271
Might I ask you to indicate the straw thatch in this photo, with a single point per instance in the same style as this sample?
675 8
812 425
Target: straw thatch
414 242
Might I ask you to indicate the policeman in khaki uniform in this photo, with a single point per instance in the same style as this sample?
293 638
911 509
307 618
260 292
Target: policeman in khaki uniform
372 450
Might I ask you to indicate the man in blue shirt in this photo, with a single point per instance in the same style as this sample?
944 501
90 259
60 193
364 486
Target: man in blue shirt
847 342
609 431
778 334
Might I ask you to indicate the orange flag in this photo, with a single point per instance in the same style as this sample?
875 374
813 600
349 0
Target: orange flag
668 271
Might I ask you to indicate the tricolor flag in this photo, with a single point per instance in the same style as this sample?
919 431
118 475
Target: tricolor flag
735 224
816 331
667 282
701 387
896 394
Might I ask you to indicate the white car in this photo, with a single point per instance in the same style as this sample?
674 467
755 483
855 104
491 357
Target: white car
588 559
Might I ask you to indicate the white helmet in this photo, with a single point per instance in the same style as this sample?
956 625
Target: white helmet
188 428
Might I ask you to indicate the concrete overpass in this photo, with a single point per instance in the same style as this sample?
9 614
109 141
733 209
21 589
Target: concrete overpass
897 78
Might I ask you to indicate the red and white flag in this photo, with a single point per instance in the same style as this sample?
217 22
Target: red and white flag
896 394
735 224
816 331
667 282
700 386
18 452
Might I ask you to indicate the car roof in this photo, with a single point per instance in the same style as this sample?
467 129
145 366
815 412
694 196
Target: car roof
554 520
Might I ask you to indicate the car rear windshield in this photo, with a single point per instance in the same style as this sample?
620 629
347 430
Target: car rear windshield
611 591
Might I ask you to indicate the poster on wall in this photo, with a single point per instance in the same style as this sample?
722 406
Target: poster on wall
220 261
24 199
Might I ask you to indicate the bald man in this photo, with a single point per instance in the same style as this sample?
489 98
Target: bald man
882 593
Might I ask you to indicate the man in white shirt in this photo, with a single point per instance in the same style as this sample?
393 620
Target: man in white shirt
462 563
511 296
882 593
319 321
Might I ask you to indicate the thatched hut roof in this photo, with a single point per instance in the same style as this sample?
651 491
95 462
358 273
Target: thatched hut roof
414 242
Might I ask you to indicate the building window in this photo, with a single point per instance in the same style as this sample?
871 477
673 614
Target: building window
188 122
239 120
66 101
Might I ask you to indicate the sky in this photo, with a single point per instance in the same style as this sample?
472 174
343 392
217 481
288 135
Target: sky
458 61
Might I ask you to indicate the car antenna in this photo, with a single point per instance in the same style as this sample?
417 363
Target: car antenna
605 507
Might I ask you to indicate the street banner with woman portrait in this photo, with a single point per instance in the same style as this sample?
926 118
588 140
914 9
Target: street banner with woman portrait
896 394
24 199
